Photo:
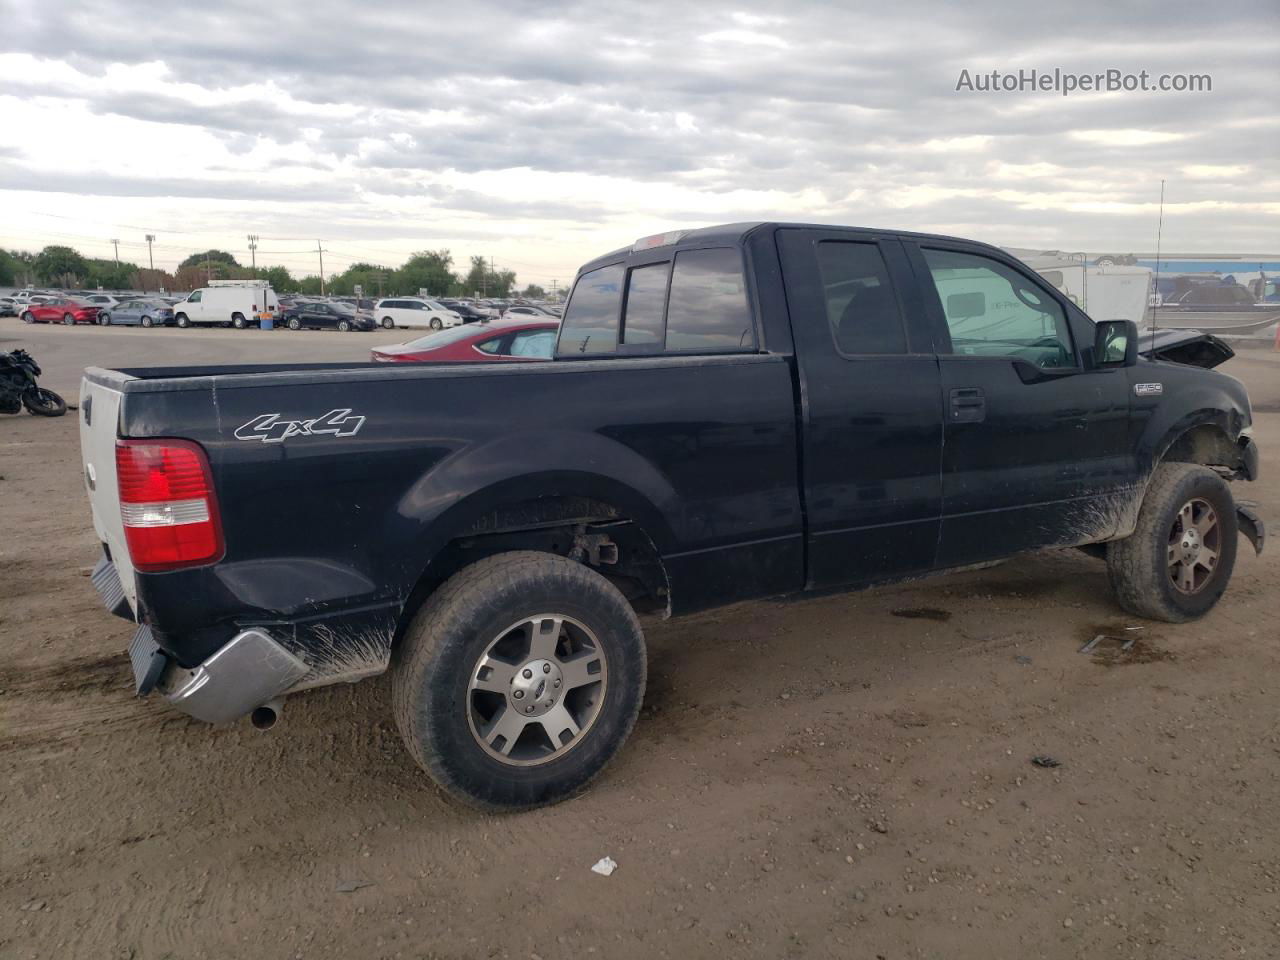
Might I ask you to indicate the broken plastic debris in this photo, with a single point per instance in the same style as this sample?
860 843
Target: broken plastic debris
1043 761
1093 643
605 866
350 886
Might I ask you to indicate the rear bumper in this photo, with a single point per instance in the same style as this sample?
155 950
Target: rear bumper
244 673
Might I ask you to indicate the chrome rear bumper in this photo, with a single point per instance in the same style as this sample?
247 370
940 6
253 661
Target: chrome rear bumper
244 673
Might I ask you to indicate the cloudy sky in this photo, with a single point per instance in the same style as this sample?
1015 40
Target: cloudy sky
542 134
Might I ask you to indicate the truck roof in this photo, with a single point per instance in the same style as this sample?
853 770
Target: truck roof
735 233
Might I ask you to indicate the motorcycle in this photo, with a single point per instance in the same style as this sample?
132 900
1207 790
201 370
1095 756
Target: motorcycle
18 388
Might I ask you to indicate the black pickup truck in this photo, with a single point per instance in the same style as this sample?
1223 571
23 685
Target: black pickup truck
734 412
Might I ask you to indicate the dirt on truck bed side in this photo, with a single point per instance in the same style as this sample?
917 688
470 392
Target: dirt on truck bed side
849 776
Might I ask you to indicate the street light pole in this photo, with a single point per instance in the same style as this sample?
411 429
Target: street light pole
116 244
150 259
253 252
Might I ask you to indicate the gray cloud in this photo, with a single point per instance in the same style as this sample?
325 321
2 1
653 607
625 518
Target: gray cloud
808 99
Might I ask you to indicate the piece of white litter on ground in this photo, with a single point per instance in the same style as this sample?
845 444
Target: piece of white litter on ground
605 866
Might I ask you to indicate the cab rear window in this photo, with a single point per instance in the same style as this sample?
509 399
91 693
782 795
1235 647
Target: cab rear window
590 325
696 303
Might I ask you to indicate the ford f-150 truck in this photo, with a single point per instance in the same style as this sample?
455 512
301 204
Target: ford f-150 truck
732 413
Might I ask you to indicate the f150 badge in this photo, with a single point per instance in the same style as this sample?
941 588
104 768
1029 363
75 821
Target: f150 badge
1148 389
269 428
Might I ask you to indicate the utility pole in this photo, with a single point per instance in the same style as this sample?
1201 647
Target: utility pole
320 251
116 244
150 259
554 285
253 252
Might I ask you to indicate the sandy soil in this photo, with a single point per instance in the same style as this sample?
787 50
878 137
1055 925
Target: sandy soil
847 776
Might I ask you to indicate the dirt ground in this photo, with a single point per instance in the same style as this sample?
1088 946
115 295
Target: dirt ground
848 776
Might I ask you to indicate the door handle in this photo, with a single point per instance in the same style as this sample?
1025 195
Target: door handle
968 405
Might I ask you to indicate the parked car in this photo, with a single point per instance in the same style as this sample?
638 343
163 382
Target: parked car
479 343
144 313
233 304
9 306
734 412
334 316
528 310
103 300
467 312
59 310
414 312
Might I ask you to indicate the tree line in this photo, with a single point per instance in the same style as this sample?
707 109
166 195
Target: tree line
429 270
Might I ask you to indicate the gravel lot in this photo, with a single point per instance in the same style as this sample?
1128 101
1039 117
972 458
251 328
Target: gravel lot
847 776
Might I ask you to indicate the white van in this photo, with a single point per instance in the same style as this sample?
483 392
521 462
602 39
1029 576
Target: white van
414 312
235 302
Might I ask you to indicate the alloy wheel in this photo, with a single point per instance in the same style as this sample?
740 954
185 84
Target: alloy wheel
1195 543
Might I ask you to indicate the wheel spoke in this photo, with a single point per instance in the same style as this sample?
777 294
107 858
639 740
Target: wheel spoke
1186 577
1187 516
1208 558
1207 523
493 675
577 672
508 725
556 721
544 637
1173 555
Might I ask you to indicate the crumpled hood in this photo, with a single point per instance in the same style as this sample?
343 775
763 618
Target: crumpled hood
1191 347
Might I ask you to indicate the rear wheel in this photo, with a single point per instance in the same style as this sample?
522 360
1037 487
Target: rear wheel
69 319
344 326
182 321
146 321
295 323
519 680
388 323
28 317
1178 562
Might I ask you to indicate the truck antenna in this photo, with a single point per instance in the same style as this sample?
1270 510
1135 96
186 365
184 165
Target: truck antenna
1155 309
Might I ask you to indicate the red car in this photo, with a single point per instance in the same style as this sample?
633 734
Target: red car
66 310
499 342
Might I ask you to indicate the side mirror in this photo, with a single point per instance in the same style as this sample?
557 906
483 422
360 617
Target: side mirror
1115 343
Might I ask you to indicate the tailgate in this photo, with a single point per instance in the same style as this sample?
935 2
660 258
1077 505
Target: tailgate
99 427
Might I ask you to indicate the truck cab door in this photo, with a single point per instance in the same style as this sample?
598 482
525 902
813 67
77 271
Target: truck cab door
870 406
1036 450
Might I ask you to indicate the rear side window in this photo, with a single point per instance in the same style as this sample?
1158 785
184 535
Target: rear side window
646 299
591 321
707 311
861 305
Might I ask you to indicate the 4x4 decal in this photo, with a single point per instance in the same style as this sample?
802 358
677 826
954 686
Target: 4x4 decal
269 428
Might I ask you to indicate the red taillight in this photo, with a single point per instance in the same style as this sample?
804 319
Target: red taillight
167 504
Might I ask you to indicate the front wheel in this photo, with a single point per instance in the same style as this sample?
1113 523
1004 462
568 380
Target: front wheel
69 319
237 321
519 680
344 326
437 323
146 321
388 323
28 317
295 323
1177 563
182 321
43 403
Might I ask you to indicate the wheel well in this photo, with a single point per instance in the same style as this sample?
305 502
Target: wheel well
1206 444
589 531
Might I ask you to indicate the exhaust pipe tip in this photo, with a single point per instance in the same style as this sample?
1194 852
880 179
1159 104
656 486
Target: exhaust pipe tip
268 715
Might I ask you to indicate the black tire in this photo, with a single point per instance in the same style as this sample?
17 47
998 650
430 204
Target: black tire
28 317
182 321
146 321
441 650
1139 566
437 323
69 319
43 403
344 326
104 319
294 323
388 323
238 321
